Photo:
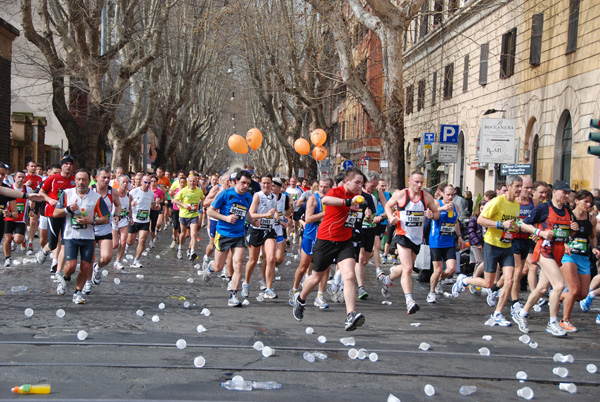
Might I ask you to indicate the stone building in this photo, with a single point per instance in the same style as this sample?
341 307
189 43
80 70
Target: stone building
8 33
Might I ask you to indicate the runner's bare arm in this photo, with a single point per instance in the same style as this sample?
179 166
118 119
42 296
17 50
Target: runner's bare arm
396 199
310 211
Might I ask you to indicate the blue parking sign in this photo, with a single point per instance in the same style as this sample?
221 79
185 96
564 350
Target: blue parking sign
449 134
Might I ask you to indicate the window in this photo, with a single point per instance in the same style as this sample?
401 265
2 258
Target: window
434 88
534 157
507 57
535 51
409 99
421 96
565 159
438 8
573 26
483 63
424 19
448 80
466 74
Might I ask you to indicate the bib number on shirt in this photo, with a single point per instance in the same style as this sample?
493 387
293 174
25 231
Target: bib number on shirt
578 245
267 223
75 225
561 232
239 211
20 207
193 208
414 218
447 229
353 216
124 213
142 214
507 236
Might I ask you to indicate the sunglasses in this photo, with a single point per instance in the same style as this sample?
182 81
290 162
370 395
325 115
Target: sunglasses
146 182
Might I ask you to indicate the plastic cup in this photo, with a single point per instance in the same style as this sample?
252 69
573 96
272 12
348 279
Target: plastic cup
104 272
161 306
267 351
309 330
145 254
117 281
245 302
322 339
424 346
533 345
205 312
186 304
139 276
320 355
591 368
569 359
197 266
521 376
309 357
238 379
568 387
199 362
526 339
537 308
487 337
155 318
190 280
560 371
200 328
353 353
558 358
60 313
392 398
140 313
373 357
28 312
348 341
362 354
415 324
82 335
525 393
288 263
181 344
484 351
258 345
429 390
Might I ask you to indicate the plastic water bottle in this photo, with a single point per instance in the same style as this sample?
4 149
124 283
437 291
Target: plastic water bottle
237 386
32 389
467 390
309 357
266 385
18 288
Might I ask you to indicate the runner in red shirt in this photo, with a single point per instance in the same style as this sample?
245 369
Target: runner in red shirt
334 244
32 180
14 226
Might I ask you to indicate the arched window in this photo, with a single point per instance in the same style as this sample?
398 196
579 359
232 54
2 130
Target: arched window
563 148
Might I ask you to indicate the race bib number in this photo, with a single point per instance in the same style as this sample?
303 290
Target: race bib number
353 216
142 214
193 208
447 229
75 225
561 232
267 223
124 213
20 207
507 236
239 211
413 218
578 245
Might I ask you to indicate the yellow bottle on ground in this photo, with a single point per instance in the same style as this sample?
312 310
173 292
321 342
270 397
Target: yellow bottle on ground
32 389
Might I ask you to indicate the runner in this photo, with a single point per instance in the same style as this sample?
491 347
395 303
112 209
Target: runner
33 181
212 222
15 218
188 200
8 204
141 203
441 243
284 210
334 243
294 192
156 213
413 205
178 184
230 208
499 216
121 226
381 221
81 209
367 232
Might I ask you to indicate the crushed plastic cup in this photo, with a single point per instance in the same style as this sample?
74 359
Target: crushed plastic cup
258 345
373 357
28 312
591 368
526 339
533 345
309 357
521 376
569 359
260 298
309 330
145 254
392 398
104 272
562 372
245 302
161 306
157 257
186 304
558 358
362 354
117 281
288 263
82 335
348 341
322 339
568 387
525 393
484 351
267 351
429 390
181 344
424 346
129 257
386 302
487 337
190 280
155 318
320 355
140 313
278 278
415 324
467 390
353 353
199 272
537 308
447 295
139 276
197 266
60 313
199 362
200 328
205 312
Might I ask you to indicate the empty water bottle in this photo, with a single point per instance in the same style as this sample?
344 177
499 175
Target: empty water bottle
467 389
237 386
266 385
18 288
309 357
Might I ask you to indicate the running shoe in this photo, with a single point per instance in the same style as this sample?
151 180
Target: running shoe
586 304
7 262
118 265
179 254
541 302
205 262
431 297
298 310
412 307
292 297
229 286
492 297
339 295
321 303
568 326
87 288
332 288
29 252
353 321
233 301
270 294
520 321
61 289
515 308
54 265
555 329
245 289
439 288
263 284
173 244
385 289
151 244
78 298
384 260
395 261
40 257
473 289
598 319
459 285
378 271
362 293
96 277
206 273
136 264
193 256
498 320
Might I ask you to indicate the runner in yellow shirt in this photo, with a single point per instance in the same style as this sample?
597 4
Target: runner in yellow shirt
188 200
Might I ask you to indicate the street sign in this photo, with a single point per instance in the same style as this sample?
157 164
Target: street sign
383 163
367 157
474 165
362 162
429 138
347 165
519 169
449 134
498 140
448 153
325 164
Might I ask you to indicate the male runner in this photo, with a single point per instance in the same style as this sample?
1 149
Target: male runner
33 181
15 218
188 200
139 224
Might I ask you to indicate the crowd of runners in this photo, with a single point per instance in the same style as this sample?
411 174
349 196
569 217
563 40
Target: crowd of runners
524 235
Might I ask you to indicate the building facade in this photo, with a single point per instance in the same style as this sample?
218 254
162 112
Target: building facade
536 62
8 33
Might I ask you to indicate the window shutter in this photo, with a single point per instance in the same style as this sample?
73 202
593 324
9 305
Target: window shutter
434 88
466 74
512 51
573 26
535 50
483 63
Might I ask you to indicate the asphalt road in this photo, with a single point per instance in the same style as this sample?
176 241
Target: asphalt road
128 357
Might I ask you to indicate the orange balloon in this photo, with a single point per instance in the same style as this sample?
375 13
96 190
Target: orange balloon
318 137
302 146
319 153
254 138
237 143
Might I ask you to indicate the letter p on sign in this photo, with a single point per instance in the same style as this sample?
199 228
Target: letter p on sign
449 134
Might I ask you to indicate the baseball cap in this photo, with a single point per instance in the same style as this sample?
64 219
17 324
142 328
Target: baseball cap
561 185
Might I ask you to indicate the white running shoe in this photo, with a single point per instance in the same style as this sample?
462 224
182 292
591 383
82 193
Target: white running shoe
179 254
96 276
78 298
173 244
321 303
263 284
431 297
151 244
136 264
498 320
61 289
555 329
234 302
118 265
7 262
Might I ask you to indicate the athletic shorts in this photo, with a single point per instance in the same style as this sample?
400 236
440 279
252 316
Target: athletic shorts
407 243
223 243
55 227
43 224
368 238
175 217
280 239
381 229
154 219
555 251
327 252
522 247
14 227
307 245
104 237
442 254
297 215
136 227
258 237
73 247
188 221
583 263
1 226
493 255
211 228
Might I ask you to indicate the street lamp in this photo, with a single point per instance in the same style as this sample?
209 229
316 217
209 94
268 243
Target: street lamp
492 111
